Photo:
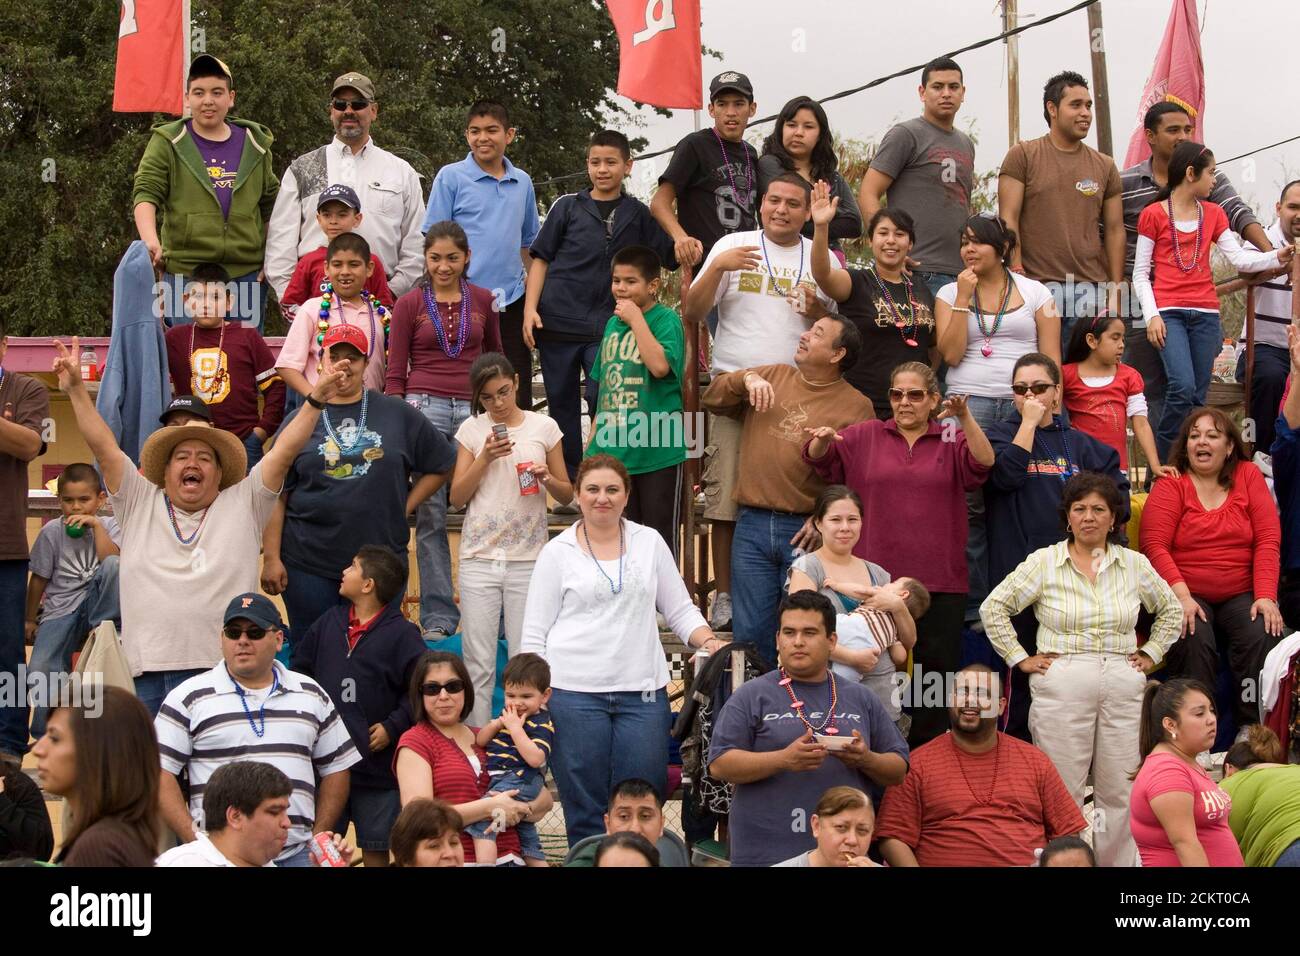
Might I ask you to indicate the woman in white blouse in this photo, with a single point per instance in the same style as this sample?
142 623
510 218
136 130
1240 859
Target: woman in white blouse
1087 679
591 615
505 458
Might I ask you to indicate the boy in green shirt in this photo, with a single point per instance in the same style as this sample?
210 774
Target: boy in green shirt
639 406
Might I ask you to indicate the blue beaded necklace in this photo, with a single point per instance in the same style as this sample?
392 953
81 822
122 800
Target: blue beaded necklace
259 732
434 312
361 424
1065 448
622 550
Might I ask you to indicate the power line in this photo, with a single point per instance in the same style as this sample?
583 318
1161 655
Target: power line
1261 149
1039 22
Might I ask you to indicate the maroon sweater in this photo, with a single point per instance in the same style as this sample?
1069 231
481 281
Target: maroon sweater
250 370
417 365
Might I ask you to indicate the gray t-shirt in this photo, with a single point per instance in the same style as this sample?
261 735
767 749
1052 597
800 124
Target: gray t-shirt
68 564
934 175
800 860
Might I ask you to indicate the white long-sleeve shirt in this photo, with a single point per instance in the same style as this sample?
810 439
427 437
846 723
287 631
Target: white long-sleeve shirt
392 204
597 641
1229 243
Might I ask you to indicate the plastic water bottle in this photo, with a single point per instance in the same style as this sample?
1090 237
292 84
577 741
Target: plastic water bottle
1225 366
89 365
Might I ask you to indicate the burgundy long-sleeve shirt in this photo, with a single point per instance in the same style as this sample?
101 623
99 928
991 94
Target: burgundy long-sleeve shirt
913 499
249 367
417 363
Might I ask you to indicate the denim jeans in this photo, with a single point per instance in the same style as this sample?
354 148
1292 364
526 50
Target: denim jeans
761 555
1290 856
153 687
600 741
1076 299
248 301
985 411
299 858
529 786
1192 340
934 281
13 651
564 367
1145 357
308 596
1272 366
438 610
253 449
59 639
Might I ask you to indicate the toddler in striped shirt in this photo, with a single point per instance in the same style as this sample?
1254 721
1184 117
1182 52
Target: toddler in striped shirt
872 629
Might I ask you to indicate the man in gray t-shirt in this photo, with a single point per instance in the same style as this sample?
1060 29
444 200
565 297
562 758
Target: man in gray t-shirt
927 168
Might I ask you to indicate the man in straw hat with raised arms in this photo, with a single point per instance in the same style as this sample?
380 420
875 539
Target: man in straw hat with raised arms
191 528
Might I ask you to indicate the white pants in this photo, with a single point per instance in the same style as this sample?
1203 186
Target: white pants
486 587
1085 713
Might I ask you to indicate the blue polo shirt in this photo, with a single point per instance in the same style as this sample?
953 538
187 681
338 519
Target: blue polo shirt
1286 485
498 215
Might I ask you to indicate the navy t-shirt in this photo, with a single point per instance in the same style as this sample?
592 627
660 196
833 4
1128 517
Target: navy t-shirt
771 819
350 489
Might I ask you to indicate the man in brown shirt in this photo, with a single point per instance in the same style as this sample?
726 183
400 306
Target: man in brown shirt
778 406
1054 192
24 411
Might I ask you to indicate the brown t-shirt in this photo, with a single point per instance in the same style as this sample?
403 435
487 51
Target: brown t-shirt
108 842
23 401
772 471
1060 219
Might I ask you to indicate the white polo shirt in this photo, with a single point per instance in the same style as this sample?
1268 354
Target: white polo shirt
202 852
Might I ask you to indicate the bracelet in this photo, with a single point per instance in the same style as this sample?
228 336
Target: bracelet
958 309
315 403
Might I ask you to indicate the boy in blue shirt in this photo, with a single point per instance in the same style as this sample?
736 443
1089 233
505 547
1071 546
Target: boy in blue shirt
493 201
518 744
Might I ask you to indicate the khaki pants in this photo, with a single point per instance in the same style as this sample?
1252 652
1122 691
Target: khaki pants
1085 713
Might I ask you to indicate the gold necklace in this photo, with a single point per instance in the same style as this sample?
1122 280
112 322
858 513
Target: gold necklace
815 384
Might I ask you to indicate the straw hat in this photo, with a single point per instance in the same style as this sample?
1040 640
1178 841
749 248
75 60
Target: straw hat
158 450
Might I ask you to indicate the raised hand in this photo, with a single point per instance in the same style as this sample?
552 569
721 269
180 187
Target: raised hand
738 259
824 205
966 282
330 382
67 365
954 406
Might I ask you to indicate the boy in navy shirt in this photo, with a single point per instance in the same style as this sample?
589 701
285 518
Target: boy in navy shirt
518 744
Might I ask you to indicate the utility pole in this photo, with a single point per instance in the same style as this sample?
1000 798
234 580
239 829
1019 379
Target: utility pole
1100 85
1010 21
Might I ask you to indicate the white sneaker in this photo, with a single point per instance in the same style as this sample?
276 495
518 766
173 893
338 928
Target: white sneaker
720 615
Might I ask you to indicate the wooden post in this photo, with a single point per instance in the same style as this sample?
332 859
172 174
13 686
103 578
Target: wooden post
1100 84
1295 284
1250 359
1010 20
691 467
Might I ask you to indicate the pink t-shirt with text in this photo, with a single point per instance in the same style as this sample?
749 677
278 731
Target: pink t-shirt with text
1165 773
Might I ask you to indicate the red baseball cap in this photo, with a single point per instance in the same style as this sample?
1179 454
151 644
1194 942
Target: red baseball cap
346 335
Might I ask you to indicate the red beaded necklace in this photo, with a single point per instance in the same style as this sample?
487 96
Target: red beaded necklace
1177 240
827 725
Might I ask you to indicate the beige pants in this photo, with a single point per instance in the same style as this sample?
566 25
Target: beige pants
1085 714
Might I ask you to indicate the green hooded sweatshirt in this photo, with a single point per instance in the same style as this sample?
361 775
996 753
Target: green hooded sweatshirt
173 177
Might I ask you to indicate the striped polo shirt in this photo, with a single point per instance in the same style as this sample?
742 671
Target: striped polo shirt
1272 301
203 725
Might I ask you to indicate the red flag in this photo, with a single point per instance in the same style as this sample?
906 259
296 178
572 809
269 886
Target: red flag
659 52
153 57
1177 77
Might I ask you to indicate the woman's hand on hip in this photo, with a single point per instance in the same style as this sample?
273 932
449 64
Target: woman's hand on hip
1037 664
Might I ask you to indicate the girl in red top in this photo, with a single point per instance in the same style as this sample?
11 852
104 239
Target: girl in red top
1178 815
1213 533
1179 302
1103 395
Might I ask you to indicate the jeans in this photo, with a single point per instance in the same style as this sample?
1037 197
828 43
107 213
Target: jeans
985 411
761 555
299 858
248 297
1192 340
308 596
253 448
529 786
153 687
59 639
564 367
1272 366
432 556
1145 357
1290 856
13 652
487 588
1076 300
602 740
934 281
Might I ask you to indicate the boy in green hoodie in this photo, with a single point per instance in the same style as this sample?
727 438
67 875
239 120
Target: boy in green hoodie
213 180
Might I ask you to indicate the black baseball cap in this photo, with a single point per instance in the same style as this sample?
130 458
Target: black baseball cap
206 61
256 608
730 80
188 404
339 193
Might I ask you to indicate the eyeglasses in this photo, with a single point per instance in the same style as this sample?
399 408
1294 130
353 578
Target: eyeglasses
342 105
253 632
913 394
1038 388
434 689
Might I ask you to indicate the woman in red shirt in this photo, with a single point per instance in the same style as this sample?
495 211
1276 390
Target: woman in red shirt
1178 815
1213 533
438 758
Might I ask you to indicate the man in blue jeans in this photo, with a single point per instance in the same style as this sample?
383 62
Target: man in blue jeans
24 414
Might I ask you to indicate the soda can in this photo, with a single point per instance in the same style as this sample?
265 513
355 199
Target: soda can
324 852
528 484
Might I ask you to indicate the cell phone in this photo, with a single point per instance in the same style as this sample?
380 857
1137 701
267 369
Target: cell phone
501 432
833 741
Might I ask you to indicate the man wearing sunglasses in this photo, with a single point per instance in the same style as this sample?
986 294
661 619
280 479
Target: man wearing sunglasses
387 187
250 703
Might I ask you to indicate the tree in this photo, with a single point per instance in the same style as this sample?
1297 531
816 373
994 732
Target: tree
68 160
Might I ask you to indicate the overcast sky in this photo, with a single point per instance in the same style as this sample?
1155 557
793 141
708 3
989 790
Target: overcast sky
1248 48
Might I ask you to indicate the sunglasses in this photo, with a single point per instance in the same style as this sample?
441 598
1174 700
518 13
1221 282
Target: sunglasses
1038 388
434 689
253 632
342 105
913 394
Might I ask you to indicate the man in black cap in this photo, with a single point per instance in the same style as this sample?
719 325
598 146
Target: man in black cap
186 410
387 187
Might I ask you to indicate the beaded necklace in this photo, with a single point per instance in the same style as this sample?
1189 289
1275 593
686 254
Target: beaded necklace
987 348
726 164
1065 448
997 766
360 429
261 710
218 378
1173 234
176 528
772 288
827 725
373 305
434 311
906 330
582 526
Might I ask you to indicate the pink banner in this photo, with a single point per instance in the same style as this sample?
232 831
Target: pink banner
1178 76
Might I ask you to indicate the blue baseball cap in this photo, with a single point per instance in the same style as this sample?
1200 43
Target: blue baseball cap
339 193
256 608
